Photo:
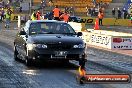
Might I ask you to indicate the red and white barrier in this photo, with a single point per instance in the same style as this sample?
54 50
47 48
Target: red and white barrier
108 39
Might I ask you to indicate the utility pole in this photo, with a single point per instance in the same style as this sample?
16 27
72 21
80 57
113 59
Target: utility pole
30 7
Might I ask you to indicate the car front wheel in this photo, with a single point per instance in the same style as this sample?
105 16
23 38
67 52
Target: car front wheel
28 61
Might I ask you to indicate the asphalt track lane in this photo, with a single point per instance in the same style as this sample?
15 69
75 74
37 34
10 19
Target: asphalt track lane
16 74
32 77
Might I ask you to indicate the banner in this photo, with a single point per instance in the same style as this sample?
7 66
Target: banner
14 17
108 21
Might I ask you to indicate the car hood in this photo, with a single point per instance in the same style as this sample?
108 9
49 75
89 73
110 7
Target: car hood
55 38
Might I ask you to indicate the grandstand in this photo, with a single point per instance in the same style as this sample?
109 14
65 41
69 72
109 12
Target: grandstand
79 5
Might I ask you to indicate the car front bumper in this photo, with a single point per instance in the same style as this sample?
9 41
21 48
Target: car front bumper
46 54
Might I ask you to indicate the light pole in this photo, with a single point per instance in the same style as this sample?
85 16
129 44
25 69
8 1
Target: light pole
30 5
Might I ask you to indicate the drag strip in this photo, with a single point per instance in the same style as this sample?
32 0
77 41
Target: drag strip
54 74
17 75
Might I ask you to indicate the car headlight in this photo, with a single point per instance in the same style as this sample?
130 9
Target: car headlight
79 46
41 46
30 46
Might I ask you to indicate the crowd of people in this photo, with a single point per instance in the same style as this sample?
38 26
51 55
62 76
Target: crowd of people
57 15
96 11
5 16
120 13
93 11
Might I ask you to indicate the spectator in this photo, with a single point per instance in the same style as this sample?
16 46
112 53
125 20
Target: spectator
119 13
2 14
66 9
9 12
92 12
87 11
100 16
22 20
38 15
113 12
7 17
56 12
20 9
96 11
72 11
33 16
65 17
125 13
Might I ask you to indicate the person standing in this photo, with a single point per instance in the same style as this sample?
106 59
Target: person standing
113 12
87 10
33 16
119 13
10 12
7 19
65 16
124 13
2 14
100 16
38 15
56 13
20 9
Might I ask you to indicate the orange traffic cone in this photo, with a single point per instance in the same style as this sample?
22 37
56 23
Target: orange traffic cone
96 26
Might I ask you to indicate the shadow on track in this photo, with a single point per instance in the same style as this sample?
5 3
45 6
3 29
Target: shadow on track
52 65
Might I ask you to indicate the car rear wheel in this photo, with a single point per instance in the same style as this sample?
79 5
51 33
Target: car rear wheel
16 54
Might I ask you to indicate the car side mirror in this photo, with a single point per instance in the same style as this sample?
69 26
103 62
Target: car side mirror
79 34
22 32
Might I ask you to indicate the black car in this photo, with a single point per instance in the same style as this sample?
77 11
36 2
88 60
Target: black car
48 40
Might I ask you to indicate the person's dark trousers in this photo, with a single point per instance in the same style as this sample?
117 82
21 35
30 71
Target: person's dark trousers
118 16
100 21
56 18
2 17
125 15
113 14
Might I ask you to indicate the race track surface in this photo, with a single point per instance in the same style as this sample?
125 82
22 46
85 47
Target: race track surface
55 74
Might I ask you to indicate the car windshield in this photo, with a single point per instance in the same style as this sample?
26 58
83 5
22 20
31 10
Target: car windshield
50 28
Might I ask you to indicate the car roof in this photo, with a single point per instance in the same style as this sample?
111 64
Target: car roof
34 21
